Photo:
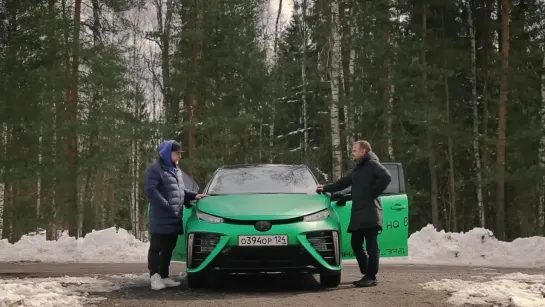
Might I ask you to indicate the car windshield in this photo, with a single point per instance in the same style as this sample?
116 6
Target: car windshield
268 179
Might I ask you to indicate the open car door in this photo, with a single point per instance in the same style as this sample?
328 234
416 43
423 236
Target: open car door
180 253
393 240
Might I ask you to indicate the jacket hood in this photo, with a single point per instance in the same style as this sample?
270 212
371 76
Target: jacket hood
369 156
165 150
373 156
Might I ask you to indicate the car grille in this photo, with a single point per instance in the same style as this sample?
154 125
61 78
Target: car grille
252 222
325 244
264 258
201 245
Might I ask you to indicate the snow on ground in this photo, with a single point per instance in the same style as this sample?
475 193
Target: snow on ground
513 290
477 247
62 292
108 245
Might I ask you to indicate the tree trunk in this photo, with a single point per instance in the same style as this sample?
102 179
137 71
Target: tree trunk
485 151
72 210
475 107
191 101
351 129
336 66
171 103
541 210
387 97
273 103
450 142
39 181
304 79
429 144
3 144
88 218
502 123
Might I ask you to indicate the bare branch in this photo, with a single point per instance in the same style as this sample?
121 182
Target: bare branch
156 78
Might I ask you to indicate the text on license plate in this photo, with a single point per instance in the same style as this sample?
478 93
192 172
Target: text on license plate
262 240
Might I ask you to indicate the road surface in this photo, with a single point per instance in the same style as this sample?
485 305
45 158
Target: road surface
398 286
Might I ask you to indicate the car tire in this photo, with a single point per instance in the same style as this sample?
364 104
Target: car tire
330 280
196 281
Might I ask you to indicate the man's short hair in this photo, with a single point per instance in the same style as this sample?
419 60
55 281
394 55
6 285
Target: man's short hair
364 144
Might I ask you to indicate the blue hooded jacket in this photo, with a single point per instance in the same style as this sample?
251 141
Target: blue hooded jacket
166 192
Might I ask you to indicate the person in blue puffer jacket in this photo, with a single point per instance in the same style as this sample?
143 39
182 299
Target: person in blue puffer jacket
166 192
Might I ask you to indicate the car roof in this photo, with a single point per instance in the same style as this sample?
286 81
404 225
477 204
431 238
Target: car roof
235 166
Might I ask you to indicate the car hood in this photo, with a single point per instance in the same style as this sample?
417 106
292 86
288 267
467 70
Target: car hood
263 206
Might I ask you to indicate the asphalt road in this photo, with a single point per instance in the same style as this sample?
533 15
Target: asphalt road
398 286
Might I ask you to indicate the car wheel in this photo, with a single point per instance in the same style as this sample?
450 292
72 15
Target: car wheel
329 280
196 281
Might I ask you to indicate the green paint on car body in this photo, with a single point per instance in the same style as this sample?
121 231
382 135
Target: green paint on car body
227 216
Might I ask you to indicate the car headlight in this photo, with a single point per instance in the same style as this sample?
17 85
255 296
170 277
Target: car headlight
316 216
209 218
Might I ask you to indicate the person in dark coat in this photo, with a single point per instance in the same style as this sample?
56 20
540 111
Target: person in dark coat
368 179
166 192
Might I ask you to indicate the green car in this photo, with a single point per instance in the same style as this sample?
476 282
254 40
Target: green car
269 218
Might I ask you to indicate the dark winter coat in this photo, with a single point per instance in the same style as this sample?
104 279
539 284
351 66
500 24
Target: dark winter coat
166 192
368 179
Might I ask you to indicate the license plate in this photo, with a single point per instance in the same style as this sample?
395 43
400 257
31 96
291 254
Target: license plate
262 240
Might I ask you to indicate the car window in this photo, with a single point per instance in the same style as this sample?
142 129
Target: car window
189 183
263 180
393 187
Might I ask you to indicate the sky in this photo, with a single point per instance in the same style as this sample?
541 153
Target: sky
287 8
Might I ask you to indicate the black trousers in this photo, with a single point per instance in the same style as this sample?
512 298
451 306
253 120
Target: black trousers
367 259
160 252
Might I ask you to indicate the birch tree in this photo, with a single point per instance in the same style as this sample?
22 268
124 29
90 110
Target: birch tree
541 154
335 68
304 42
450 141
388 87
3 144
350 110
273 102
475 107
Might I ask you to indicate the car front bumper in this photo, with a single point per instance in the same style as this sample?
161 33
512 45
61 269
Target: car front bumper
313 247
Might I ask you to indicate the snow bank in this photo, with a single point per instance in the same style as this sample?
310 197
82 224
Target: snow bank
477 247
515 290
108 245
60 292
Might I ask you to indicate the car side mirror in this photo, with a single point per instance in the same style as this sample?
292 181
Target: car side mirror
341 198
190 204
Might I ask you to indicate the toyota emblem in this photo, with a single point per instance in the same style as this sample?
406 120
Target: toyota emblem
263 226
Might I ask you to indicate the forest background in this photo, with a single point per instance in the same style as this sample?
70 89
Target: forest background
454 90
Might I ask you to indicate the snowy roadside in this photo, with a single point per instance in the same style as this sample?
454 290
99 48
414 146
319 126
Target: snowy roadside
104 246
477 247
510 290
62 292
